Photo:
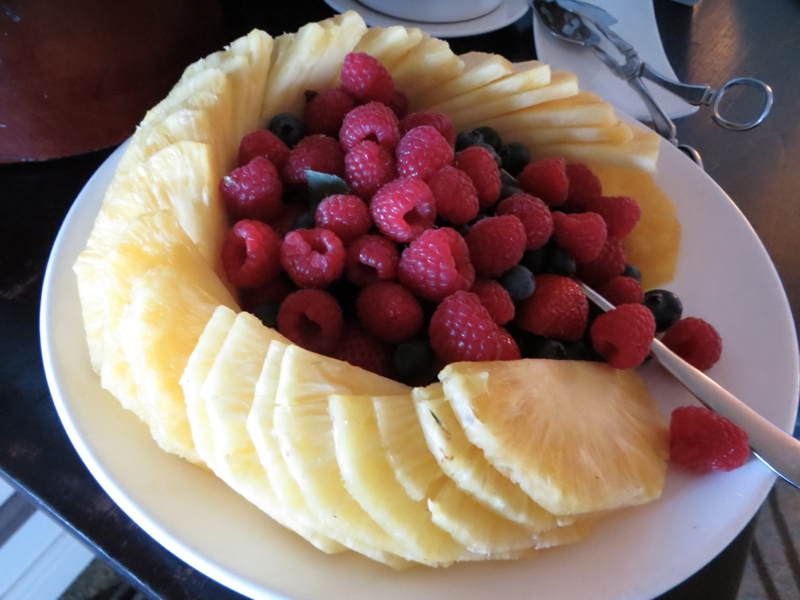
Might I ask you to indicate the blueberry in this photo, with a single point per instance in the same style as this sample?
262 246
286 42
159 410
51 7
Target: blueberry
268 314
490 136
346 293
560 262
413 359
518 282
632 271
465 139
305 221
506 191
515 157
498 161
552 349
287 127
534 260
666 307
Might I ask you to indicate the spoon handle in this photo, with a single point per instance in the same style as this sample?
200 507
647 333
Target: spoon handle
773 446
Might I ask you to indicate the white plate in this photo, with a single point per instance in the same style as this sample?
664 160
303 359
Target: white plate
636 25
505 14
724 275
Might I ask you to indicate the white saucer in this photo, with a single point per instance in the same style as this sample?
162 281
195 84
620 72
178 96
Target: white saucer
636 25
505 14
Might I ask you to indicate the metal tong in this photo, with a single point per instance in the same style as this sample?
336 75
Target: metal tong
576 21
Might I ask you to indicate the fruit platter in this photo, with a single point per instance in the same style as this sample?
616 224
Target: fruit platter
302 354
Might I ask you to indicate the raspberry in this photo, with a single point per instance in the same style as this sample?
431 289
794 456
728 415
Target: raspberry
608 264
462 329
399 104
315 153
311 319
622 290
403 209
535 217
251 254
273 291
389 311
421 152
366 79
702 440
371 258
477 162
455 195
510 348
436 265
622 336
620 213
263 143
360 349
325 113
495 298
253 191
367 167
313 258
496 244
583 235
374 122
557 308
440 122
546 179
346 216
695 341
584 187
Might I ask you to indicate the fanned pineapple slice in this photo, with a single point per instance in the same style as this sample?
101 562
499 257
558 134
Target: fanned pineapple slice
158 331
426 65
466 465
480 69
404 443
194 376
584 109
577 437
227 394
369 478
524 76
616 133
304 431
388 44
562 85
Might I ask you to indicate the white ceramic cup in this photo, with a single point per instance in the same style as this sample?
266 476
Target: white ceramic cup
433 11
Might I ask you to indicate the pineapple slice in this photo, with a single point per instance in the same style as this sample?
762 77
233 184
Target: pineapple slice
584 109
404 443
369 478
616 133
466 465
480 69
576 436
158 331
388 45
304 431
426 65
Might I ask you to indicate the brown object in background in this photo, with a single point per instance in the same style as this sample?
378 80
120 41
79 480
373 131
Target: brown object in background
79 75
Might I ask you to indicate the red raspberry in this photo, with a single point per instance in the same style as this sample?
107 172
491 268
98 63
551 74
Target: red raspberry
558 309
622 290
311 319
623 335
366 79
263 143
399 104
702 440
440 122
371 258
284 222
367 168
253 191
695 341
496 244
360 349
272 292
495 298
620 213
478 163
462 329
403 209
389 311
436 265
510 348
583 235
313 258
346 216
325 113
251 254
421 152
315 153
374 122
455 195
535 217
608 264
584 187
546 179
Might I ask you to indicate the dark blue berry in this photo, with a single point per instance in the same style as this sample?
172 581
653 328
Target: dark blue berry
287 127
560 262
413 359
491 137
551 349
515 157
518 282
535 260
506 191
632 271
497 160
465 139
666 307
268 314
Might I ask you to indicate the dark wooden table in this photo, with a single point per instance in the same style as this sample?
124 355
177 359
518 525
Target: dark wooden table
760 170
